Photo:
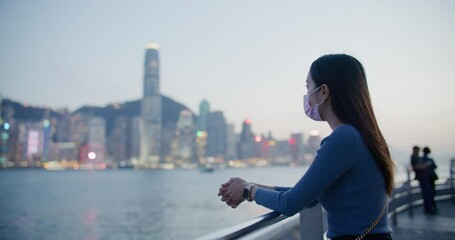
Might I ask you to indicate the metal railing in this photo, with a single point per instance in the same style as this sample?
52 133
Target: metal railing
407 196
313 222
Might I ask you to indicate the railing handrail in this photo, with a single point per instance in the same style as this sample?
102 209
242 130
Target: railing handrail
403 198
248 227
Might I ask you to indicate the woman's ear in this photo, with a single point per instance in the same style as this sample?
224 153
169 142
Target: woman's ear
325 91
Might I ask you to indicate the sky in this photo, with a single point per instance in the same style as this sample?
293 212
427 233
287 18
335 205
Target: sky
248 59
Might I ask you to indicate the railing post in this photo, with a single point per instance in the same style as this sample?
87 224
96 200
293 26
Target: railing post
394 216
311 226
451 176
409 194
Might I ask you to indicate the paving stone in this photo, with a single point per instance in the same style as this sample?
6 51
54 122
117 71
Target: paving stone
422 226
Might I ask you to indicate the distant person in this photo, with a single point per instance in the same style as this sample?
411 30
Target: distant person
432 176
352 173
424 169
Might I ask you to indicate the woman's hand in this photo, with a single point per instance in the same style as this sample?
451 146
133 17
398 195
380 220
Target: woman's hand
231 192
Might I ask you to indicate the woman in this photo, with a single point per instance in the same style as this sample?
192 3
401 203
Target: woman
352 172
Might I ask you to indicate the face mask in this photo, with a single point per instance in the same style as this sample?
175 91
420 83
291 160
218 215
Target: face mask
312 112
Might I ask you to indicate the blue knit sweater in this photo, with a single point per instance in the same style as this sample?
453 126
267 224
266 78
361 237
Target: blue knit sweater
344 178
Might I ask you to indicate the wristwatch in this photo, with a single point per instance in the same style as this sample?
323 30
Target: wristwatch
247 191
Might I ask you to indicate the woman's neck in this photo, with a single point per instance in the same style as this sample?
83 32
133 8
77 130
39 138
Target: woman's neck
332 120
334 124
329 115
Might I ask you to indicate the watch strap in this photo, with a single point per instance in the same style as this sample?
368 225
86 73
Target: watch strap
247 191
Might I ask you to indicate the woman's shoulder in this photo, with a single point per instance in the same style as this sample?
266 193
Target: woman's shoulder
344 133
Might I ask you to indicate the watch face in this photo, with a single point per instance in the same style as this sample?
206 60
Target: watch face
246 192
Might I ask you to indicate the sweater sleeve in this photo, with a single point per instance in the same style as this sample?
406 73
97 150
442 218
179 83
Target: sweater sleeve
281 189
333 159
284 189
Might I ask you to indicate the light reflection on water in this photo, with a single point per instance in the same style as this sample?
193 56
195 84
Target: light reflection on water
125 204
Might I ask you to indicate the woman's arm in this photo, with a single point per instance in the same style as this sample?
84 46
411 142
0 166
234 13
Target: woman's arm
276 188
231 191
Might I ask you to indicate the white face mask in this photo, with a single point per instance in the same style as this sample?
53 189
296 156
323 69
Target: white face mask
312 112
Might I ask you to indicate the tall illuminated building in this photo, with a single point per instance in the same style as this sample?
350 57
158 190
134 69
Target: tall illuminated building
216 130
313 143
135 150
119 140
8 136
94 151
47 135
204 110
35 137
1 112
231 142
184 139
246 145
63 129
151 110
296 148
4 127
201 147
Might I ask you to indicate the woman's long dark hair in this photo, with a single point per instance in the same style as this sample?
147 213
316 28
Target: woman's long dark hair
345 77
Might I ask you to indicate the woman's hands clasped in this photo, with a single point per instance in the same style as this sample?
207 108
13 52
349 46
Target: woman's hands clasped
231 192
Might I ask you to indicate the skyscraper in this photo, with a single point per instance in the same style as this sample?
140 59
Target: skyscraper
34 143
151 109
119 141
216 139
296 148
135 139
47 130
4 126
63 129
185 139
96 139
204 110
231 143
246 145
92 152
313 143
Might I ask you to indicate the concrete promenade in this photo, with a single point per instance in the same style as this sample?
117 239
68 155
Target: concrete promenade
421 226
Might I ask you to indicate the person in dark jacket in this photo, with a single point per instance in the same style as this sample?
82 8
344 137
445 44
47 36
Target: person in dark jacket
423 168
432 176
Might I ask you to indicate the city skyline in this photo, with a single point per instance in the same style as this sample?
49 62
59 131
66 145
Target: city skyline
249 62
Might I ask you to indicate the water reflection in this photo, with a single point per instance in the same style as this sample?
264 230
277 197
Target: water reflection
89 221
123 204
